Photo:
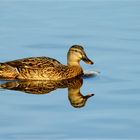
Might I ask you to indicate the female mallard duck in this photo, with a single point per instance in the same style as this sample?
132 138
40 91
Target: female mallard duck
45 68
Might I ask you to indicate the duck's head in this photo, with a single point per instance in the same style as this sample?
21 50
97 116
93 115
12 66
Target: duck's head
75 54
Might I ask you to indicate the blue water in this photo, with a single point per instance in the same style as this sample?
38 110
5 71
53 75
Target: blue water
109 31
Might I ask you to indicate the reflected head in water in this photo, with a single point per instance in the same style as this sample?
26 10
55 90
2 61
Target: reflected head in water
77 100
44 87
75 97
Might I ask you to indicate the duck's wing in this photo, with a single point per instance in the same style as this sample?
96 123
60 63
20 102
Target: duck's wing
34 62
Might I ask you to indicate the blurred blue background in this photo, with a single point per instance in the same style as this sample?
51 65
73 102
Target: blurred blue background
110 33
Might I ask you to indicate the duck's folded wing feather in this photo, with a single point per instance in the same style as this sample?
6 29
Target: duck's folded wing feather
34 62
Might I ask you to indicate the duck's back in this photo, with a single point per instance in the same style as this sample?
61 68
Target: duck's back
35 68
34 62
38 68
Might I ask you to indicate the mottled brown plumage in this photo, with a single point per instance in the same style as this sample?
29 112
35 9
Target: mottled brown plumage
45 68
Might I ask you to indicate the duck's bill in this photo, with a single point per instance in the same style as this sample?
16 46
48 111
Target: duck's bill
88 61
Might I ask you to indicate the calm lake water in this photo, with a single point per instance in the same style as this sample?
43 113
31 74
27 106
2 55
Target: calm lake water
110 33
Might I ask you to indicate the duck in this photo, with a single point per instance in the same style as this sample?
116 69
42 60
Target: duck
46 68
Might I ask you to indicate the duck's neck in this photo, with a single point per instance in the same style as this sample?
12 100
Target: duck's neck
72 62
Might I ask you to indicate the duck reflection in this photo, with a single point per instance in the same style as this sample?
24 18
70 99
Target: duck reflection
75 97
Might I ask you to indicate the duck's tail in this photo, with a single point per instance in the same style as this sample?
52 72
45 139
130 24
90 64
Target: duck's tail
1 68
7 71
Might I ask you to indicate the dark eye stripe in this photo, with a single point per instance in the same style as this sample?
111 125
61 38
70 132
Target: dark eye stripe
75 50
